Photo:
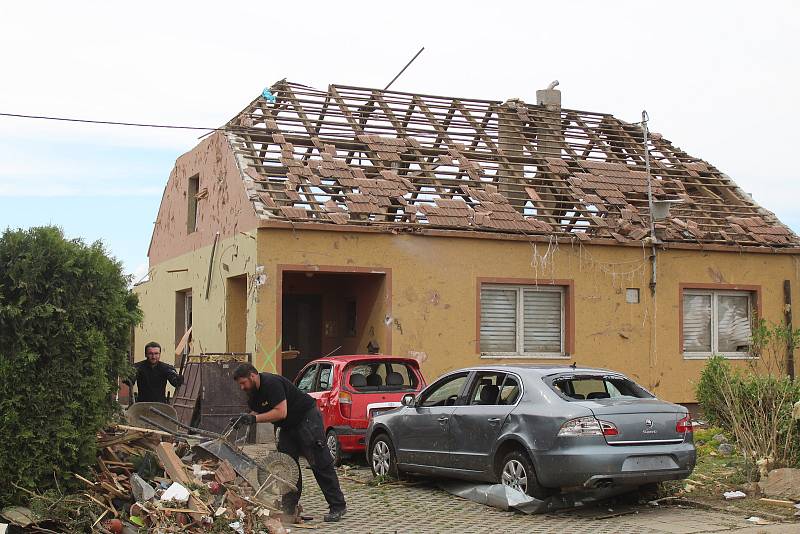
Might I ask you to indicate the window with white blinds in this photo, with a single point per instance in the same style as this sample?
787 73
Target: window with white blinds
522 320
716 322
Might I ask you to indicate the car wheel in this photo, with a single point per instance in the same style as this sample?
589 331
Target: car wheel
382 458
333 445
516 471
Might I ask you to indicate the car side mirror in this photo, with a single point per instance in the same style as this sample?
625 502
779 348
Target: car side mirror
408 400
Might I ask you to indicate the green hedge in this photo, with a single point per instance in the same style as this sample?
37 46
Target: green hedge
65 319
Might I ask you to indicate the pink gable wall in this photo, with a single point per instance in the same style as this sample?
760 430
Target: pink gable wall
226 208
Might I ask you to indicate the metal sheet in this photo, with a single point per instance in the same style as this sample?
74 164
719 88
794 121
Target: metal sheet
221 397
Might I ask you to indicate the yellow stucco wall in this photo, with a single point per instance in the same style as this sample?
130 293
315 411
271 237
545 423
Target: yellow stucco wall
434 284
233 257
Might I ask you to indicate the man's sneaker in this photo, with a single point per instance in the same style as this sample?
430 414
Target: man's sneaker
334 515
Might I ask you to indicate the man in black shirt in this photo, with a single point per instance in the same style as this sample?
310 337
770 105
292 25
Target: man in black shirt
152 375
274 399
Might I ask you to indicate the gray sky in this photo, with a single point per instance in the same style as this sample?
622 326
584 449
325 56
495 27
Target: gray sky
718 79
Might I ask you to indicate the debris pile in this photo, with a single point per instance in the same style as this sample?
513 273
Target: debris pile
150 481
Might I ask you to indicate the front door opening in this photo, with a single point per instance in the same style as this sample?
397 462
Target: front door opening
331 313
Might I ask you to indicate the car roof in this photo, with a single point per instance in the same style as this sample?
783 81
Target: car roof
347 358
542 369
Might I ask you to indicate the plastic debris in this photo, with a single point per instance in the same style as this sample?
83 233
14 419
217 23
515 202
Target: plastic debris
176 492
142 491
237 527
268 96
757 520
730 495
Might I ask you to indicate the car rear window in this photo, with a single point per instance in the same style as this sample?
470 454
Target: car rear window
382 376
594 387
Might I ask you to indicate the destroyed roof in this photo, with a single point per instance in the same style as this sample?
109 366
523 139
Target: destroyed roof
355 156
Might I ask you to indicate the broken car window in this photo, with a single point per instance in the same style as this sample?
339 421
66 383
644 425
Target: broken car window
306 382
594 387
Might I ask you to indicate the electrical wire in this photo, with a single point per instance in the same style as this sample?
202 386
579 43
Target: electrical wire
112 123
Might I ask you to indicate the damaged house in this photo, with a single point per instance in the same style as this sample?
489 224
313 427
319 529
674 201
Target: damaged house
459 231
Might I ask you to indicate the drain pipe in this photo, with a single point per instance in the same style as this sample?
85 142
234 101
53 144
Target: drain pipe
653 238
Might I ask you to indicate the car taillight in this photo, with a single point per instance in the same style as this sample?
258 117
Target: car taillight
609 429
588 426
346 404
684 425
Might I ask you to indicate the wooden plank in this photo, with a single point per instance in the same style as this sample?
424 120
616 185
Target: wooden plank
177 472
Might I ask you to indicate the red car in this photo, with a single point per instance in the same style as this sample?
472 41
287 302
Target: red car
351 389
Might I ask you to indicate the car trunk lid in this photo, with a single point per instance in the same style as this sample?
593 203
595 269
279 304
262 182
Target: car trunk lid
639 421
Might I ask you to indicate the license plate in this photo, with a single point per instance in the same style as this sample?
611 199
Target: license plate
649 463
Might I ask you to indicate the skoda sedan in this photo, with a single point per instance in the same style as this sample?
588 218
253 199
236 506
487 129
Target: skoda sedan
539 429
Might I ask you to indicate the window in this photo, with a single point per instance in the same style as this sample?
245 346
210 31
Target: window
384 376
717 322
523 320
325 377
446 392
306 382
494 388
191 193
592 387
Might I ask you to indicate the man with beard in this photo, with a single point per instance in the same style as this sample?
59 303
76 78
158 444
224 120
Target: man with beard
274 399
152 375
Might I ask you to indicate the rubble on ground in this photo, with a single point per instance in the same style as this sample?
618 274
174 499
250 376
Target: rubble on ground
782 483
148 481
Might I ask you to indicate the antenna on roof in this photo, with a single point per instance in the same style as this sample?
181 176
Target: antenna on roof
574 365
404 68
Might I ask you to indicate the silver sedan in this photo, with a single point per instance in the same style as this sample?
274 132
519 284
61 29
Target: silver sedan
539 429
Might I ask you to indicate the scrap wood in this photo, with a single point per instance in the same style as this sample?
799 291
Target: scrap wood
177 472
225 472
144 430
781 502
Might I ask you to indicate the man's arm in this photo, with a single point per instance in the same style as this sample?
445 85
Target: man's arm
172 376
278 413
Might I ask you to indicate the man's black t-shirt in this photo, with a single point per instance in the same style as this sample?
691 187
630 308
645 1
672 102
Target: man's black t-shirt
152 380
275 389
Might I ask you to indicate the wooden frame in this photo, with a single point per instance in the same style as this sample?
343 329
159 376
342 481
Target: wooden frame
355 156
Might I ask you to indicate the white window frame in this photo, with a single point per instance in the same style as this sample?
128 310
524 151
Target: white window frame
520 316
714 293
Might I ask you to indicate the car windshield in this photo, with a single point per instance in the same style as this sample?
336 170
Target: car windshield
377 375
593 387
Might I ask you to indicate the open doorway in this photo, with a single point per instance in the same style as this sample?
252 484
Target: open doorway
332 312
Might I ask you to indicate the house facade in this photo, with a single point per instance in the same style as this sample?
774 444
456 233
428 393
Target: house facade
461 232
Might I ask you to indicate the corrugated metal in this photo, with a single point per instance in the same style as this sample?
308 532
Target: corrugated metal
542 320
696 323
498 320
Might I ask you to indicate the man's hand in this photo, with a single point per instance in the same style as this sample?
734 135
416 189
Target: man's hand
244 419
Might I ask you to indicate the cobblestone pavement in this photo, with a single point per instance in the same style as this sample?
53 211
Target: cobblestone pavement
417 506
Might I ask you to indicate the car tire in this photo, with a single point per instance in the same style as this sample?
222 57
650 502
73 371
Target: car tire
382 457
516 470
332 441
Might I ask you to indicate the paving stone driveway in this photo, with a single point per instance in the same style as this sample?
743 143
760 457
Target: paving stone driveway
420 507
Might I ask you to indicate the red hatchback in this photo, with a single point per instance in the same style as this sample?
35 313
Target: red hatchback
351 389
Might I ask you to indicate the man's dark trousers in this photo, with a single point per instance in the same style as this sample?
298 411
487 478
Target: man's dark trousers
307 439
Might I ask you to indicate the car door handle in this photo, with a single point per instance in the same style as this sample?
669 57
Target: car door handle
493 420
443 419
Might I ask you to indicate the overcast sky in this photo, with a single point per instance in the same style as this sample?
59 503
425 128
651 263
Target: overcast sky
719 79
